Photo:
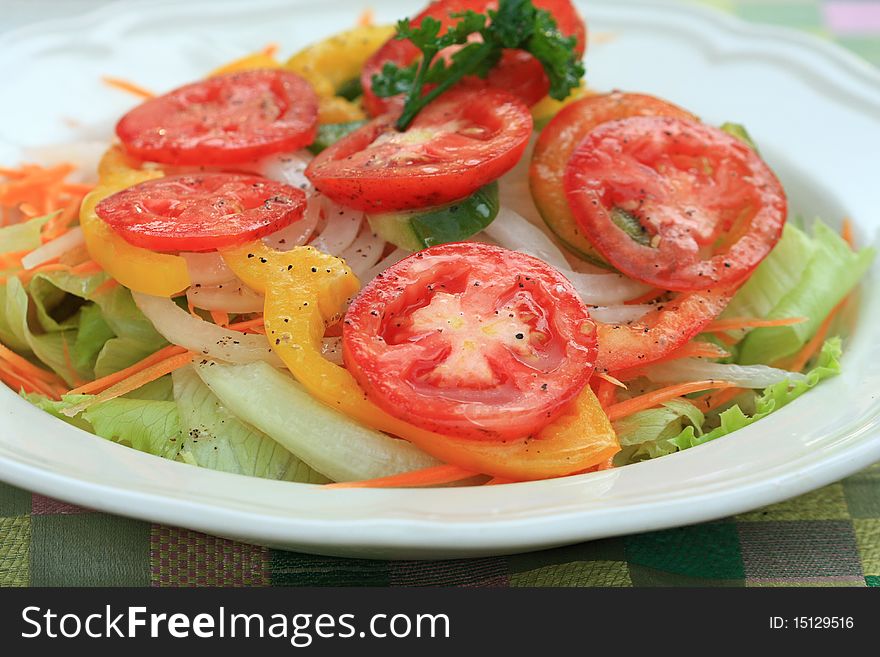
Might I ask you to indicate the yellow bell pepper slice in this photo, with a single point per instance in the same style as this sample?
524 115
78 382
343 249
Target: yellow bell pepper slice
138 269
546 108
334 61
330 63
265 58
306 290
338 110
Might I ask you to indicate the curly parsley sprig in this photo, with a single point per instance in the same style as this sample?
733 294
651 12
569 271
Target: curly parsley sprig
516 24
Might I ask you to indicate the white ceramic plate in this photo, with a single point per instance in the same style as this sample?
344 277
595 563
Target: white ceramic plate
815 111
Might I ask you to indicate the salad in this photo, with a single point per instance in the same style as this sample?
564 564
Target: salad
416 255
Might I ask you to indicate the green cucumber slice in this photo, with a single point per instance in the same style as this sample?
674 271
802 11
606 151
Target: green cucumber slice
739 131
628 223
350 89
418 229
330 133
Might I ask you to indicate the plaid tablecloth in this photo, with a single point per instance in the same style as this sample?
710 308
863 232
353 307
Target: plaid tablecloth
828 537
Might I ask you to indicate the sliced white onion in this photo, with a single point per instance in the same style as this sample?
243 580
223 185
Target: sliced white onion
331 348
207 269
54 249
201 337
620 314
514 232
513 187
365 251
392 258
288 168
745 376
230 297
341 229
299 231
515 194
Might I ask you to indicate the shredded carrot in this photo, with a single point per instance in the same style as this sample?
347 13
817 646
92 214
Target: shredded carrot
99 385
106 286
28 210
801 359
657 397
26 368
697 349
18 371
729 340
647 297
60 223
77 189
14 174
69 362
606 392
39 188
87 267
611 379
13 377
717 399
271 49
737 323
133 382
26 276
126 85
220 318
17 382
35 190
247 325
440 474
12 259
846 232
692 349
366 18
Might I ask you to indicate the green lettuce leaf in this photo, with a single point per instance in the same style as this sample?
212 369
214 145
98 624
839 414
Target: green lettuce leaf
53 349
147 426
74 328
804 276
23 236
659 432
54 407
329 441
93 334
161 389
647 434
215 438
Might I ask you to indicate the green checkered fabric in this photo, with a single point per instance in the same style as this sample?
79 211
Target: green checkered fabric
830 537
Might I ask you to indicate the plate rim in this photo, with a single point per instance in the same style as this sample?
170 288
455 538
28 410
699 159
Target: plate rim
441 535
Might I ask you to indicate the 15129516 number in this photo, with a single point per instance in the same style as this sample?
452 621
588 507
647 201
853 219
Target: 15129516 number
823 622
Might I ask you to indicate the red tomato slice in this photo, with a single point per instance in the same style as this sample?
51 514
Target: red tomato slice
557 142
702 208
226 119
470 340
518 72
670 325
201 212
460 142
